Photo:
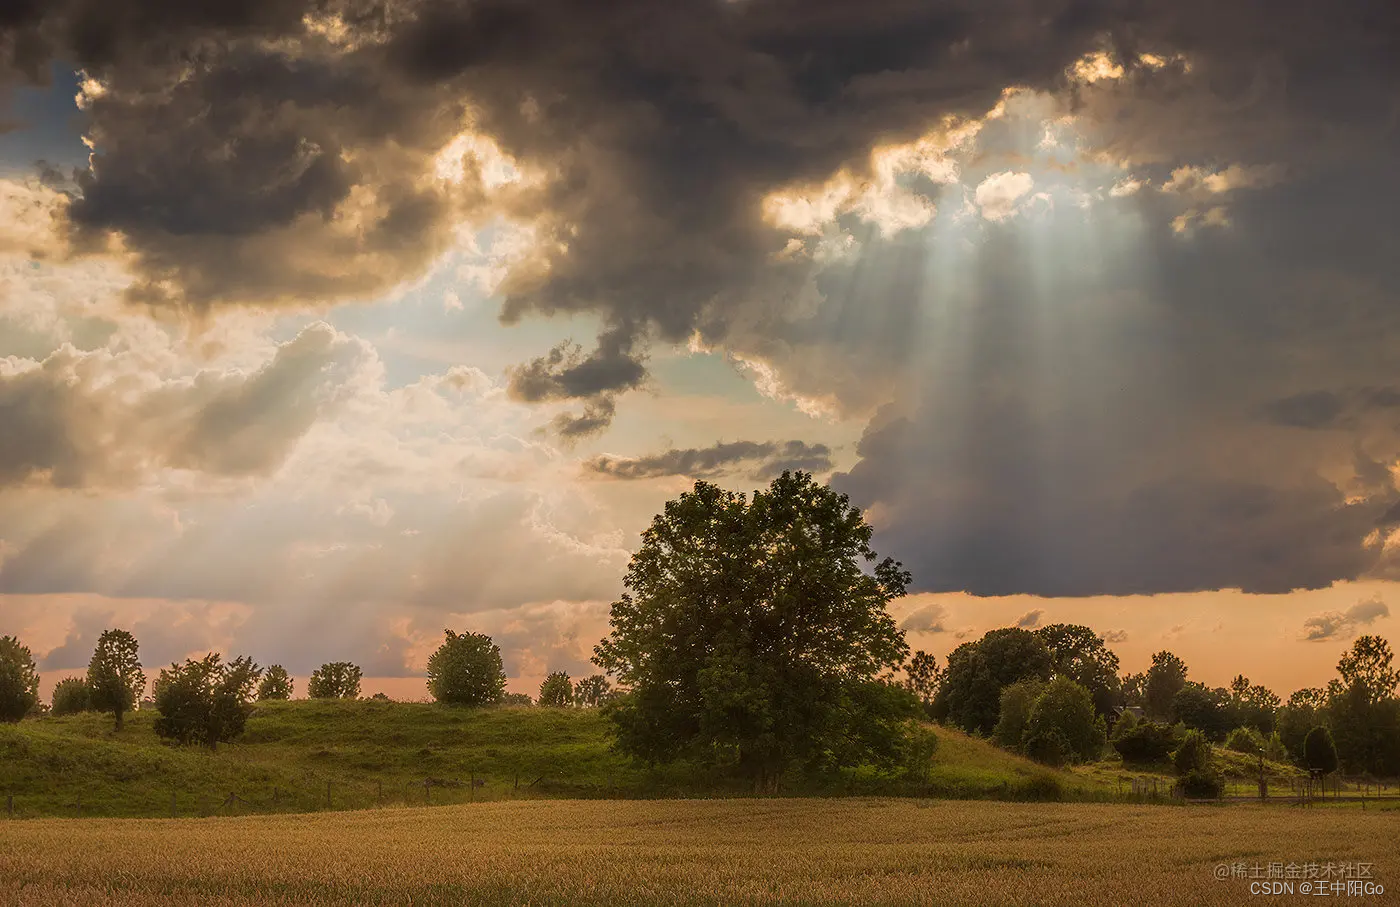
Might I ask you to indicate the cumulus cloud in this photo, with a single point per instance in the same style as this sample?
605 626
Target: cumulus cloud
1114 636
928 619
1031 619
999 193
765 459
1343 625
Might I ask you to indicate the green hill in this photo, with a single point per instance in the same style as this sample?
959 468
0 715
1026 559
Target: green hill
380 753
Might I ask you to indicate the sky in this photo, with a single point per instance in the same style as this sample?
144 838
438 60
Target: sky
327 325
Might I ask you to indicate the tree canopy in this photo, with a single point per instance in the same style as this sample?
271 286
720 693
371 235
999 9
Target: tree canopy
115 679
276 684
335 680
205 702
1164 680
750 630
466 670
557 690
976 673
19 680
70 696
1080 654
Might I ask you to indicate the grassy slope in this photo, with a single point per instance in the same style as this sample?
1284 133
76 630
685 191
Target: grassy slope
371 749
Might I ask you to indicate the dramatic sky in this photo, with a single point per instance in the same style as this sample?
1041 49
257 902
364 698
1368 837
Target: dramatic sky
328 324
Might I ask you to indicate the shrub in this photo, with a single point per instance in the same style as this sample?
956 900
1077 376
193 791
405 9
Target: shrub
1193 755
70 696
1016 702
917 749
1066 708
1048 745
1040 787
516 699
1274 748
1203 784
1319 752
205 701
336 680
1145 742
1245 740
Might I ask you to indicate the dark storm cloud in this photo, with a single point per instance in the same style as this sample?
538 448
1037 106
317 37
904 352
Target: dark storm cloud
1124 420
772 459
1332 409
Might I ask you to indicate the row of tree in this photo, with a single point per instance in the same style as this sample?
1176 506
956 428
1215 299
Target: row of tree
1054 694
208 700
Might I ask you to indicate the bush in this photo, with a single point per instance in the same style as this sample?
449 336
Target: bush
206 701
1048 745
1016 702
917 749
516 699
70 696
1274 749
1041 788
1065 709
1319 752
1194 754
1145 741
1245 740
336 680
1203 784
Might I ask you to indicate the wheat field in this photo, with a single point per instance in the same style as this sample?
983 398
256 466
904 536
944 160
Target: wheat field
858 851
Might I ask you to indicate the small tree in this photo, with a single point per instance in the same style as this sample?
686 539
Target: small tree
1067 709
516 699
1319 752
466 670
276 684
557 690
1016 702
592 691
1196 766
19 680
335 680
923 678
206 701
115 679
1193 754
70 696
1246 740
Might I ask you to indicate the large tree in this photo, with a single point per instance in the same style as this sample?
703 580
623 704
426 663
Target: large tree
1362 710
976 673
750 632
1165 679
1080 654
115 679
466 670
19 680
206 701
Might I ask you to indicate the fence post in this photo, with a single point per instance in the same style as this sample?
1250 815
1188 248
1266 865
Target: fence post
328 795
472 794
172 805
10 805
381 791
427 797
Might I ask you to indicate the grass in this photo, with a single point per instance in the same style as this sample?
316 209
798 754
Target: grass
379 753
742 851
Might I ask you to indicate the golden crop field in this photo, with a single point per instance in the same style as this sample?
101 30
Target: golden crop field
869 851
